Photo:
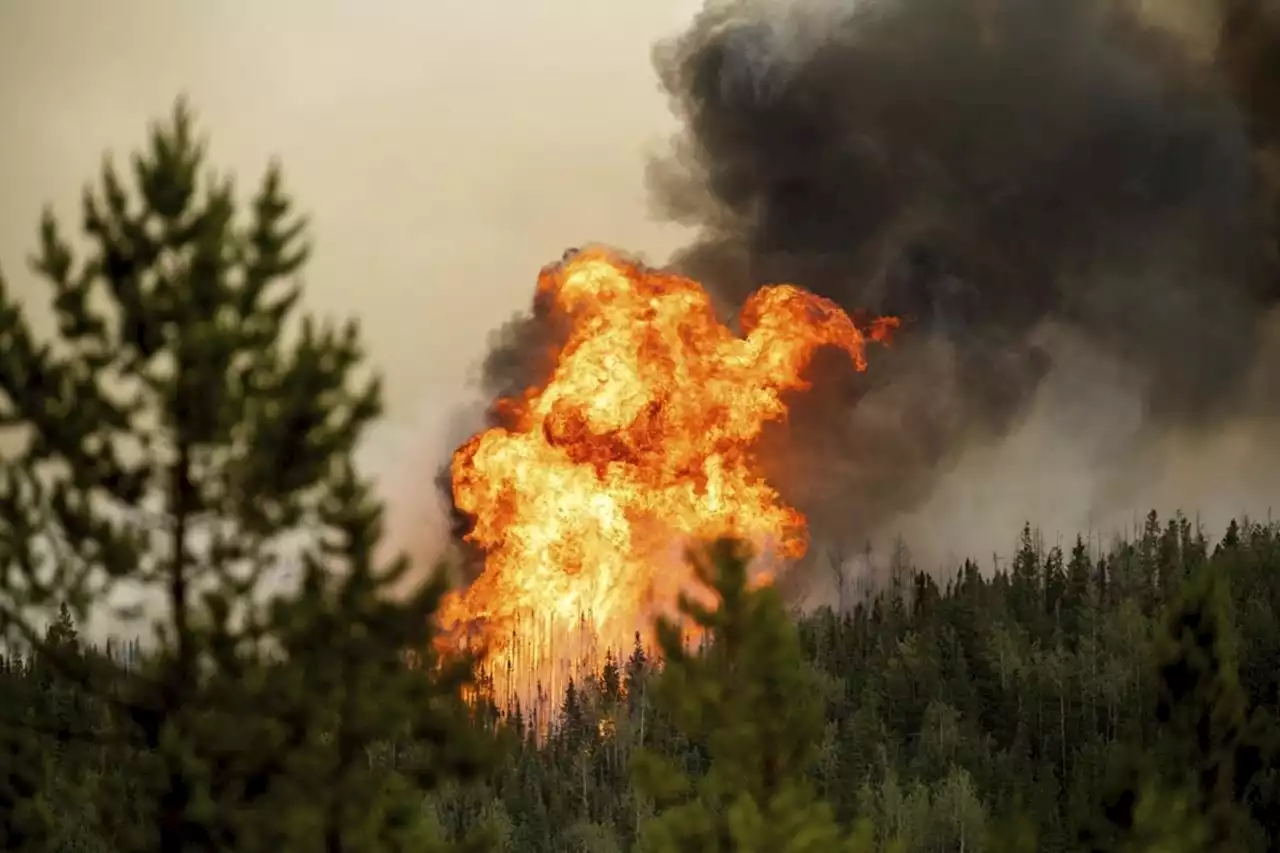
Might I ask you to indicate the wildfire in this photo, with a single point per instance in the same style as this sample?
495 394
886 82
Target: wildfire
640 442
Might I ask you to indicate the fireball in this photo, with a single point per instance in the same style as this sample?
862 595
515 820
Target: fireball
639 444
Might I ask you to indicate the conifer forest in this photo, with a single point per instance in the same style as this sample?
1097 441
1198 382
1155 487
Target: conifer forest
178 461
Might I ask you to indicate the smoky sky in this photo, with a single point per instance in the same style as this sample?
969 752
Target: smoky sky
983 170
1001 174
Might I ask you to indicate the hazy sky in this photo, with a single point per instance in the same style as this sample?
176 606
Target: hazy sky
446 149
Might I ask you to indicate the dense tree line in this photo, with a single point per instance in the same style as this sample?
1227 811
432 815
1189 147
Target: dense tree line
186 437
1067 703
1074 702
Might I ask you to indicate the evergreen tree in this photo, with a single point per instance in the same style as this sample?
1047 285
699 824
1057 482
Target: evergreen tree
1214 741
748 698
1055 585
1191 792
190 437
1027 579
1076 596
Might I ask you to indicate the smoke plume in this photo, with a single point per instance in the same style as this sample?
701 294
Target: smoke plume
1000 173
1068 204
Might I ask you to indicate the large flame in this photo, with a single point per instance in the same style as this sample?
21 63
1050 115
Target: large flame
640 443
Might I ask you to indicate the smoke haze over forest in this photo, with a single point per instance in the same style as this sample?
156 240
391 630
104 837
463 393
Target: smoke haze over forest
1001 441
1063 199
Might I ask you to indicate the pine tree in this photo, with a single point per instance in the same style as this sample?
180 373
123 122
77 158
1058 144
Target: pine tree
1171 567
1076 596
62 634
749 700
611 680
1055 584
1213 739
635 677
1148 563
1027 579
1190 792
190 435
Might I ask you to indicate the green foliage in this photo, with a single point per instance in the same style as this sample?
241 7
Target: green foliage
749 699
1194 788
180 449
185 441
949 720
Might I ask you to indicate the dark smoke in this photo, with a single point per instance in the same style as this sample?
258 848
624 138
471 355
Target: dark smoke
981 169
995 172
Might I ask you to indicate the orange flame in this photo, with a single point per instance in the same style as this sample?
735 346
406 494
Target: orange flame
639 443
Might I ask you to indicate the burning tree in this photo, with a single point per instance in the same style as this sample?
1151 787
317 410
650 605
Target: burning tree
641 440
184 445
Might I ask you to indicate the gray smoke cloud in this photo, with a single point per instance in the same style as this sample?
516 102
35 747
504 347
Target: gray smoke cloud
1067 204
1004 175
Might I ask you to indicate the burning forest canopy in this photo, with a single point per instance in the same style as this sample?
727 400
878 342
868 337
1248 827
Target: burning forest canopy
638 408
640 442
984 171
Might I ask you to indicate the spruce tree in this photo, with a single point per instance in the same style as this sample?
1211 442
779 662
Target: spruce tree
747 699
184 441
1189 792
1210 736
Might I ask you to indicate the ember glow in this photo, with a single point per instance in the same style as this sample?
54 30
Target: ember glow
639 444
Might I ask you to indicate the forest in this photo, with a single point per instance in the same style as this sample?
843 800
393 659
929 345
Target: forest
186 438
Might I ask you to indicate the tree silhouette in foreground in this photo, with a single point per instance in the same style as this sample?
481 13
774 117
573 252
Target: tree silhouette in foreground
748 698
184 441
1192 792
182 446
